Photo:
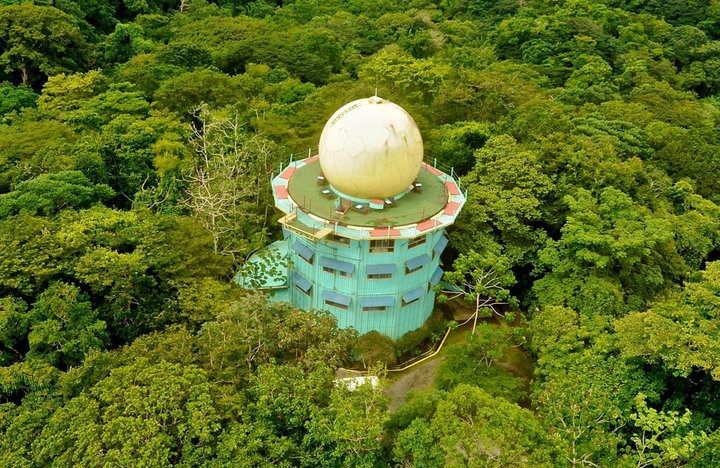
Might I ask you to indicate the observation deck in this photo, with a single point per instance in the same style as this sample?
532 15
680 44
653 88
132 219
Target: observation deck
432 206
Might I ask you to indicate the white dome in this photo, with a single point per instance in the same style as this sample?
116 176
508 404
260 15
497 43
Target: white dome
371 149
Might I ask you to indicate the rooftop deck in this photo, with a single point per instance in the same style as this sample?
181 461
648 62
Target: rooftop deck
412 208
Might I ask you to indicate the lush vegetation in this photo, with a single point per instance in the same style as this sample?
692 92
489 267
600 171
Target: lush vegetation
136 142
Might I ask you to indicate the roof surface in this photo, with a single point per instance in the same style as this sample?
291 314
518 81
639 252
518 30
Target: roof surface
411 208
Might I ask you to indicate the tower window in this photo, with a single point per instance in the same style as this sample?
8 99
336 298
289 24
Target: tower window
411 302
307 293
413 296
380 276
409 271
336 305
338 239
382 246
375 309
332 271
418 241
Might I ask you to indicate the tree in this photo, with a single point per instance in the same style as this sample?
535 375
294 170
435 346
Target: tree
39 39
350 431
660 439
375 348
483 280
14 325
49 193
470 428
505 192
184 93
225 184
14 98
584 390
680 331
399 74
613 255
456 144
481 363
155 415
63 326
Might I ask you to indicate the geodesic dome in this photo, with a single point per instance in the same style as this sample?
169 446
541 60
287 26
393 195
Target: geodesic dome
371 149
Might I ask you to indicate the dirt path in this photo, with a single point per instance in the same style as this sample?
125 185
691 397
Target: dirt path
420 376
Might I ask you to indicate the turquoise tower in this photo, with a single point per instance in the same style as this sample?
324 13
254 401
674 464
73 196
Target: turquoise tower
364 221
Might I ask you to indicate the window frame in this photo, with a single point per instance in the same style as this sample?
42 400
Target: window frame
332 271
405 304
334 239
308 293
417 242
337 305
380 276
374 248
408 271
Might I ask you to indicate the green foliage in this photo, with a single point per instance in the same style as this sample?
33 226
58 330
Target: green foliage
609 249
64 328
14 98
401 76
50 193
661 440
141 413
678 331
480 363
374 348
137 139
415 342
39 40
350 431
505 192
467 415
456 144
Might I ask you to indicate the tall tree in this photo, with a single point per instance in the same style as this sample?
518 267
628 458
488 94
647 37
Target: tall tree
35 39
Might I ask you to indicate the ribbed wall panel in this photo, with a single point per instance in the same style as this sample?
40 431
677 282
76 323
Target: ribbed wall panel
394 322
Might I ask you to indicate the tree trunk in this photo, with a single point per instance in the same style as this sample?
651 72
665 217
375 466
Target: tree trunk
24 72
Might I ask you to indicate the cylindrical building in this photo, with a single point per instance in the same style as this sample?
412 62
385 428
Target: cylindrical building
365 219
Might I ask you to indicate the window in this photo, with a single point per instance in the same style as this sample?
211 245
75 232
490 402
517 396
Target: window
375 309
417 241
338 239
411 302
380 276
307 293
332 271
382 246
336 304
408 270
309 262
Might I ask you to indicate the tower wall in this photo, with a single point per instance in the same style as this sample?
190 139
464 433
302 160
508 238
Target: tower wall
365 294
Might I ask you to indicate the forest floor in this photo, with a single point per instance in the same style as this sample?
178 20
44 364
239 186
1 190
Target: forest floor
423 375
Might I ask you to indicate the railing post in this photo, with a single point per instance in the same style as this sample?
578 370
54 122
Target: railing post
309 152
291 156
435 163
